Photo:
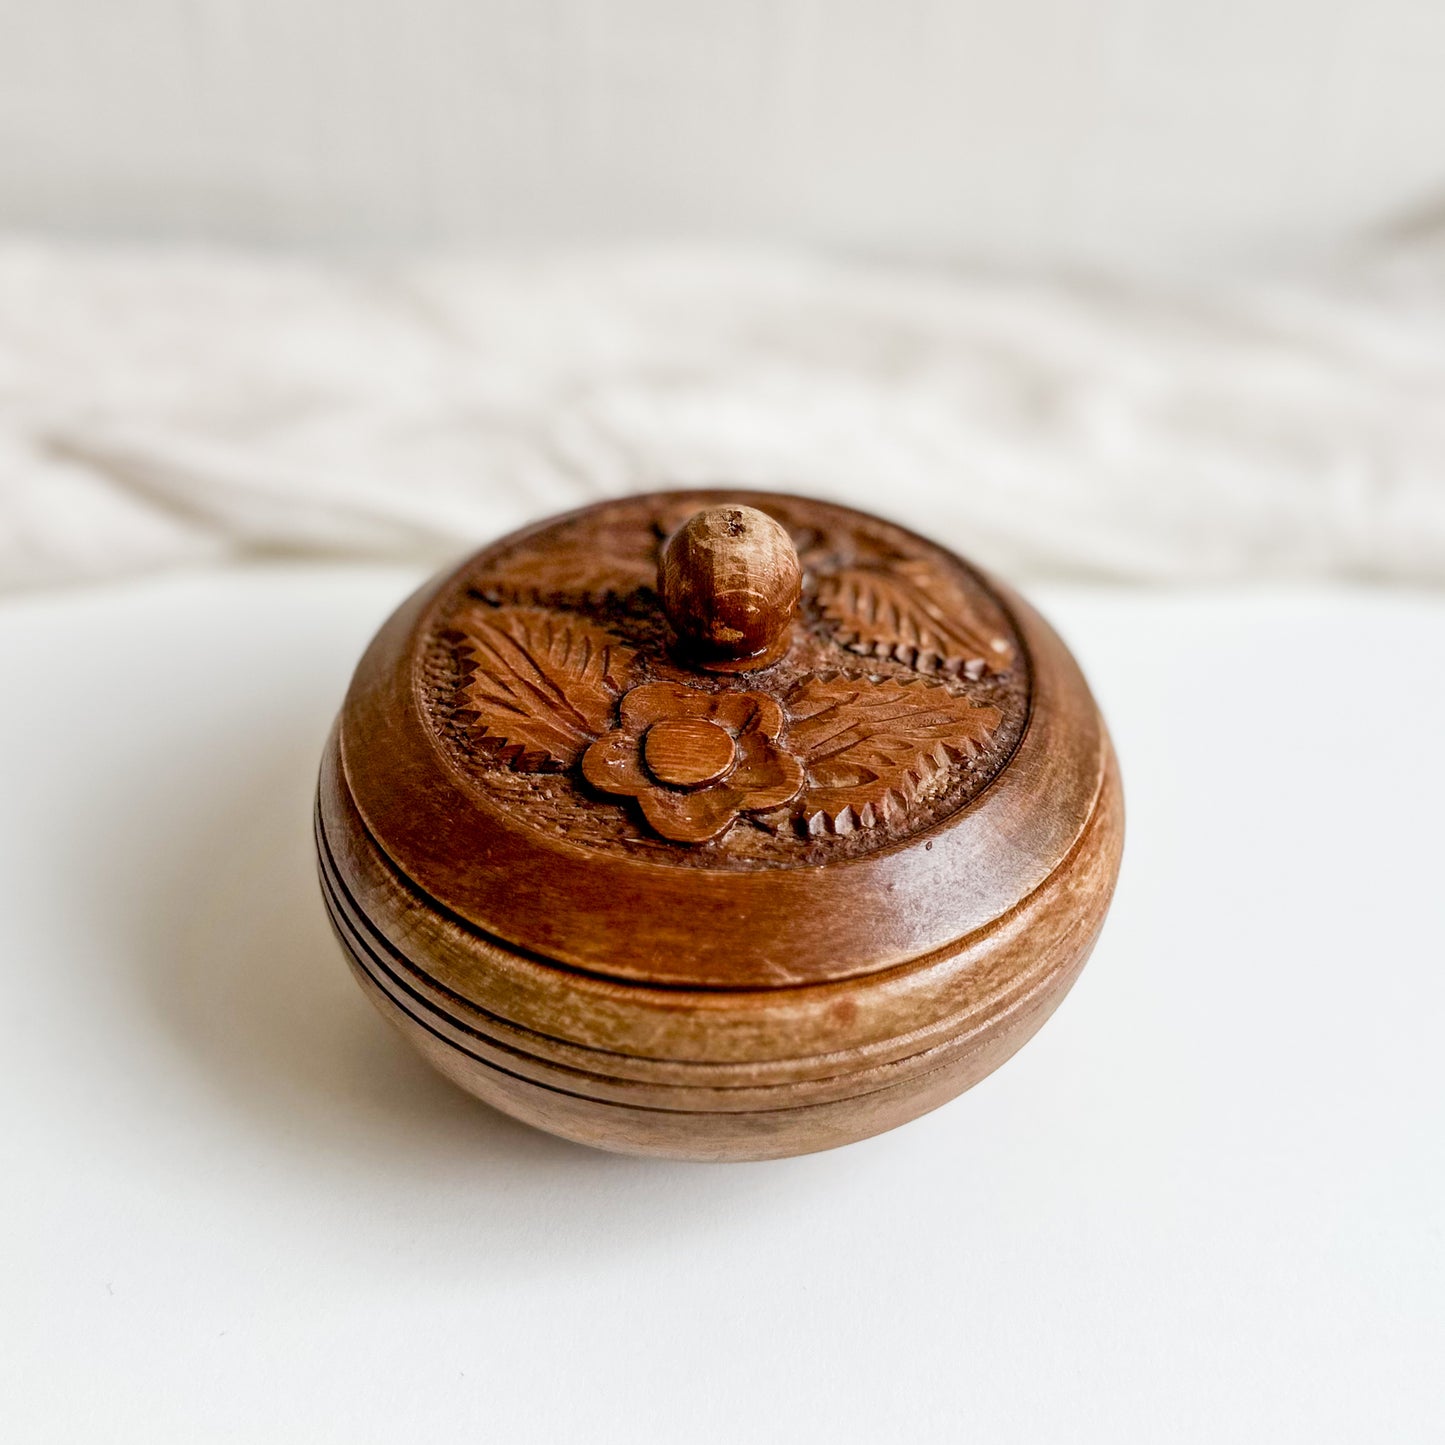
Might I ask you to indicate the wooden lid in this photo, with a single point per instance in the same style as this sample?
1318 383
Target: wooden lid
721 740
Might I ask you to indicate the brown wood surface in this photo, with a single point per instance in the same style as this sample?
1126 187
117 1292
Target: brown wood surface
683 1083
730 579
728 894
724 1035
544 893
630 1128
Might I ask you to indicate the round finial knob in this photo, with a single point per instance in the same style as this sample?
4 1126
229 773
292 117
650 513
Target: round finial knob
730 579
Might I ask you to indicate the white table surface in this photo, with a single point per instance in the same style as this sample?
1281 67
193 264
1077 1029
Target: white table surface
1207 1203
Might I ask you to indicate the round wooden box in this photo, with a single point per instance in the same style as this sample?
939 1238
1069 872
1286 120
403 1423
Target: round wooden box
717 825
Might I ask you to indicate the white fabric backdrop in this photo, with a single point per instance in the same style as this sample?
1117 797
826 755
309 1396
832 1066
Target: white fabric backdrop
160 408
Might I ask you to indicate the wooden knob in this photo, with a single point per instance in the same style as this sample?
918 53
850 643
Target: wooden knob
730 579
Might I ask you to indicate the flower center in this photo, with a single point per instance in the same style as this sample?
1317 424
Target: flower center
688 752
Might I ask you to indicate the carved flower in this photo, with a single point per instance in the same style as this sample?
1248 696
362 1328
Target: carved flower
694 760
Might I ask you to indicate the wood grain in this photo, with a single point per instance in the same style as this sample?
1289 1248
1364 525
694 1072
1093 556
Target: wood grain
725 1036
723 1134
717 926
643 1008
730 579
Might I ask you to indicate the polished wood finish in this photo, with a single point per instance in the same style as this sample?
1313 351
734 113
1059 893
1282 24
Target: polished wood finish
730 580
701 976
522 853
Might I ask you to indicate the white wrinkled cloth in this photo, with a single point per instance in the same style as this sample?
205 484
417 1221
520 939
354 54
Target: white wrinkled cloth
160 408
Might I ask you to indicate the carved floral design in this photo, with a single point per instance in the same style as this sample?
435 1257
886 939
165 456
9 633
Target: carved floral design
871 745
903 693
538 686
577 565
910 613
695 760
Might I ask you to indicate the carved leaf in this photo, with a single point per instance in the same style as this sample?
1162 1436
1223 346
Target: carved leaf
870 746
575 567
538 686
909 612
